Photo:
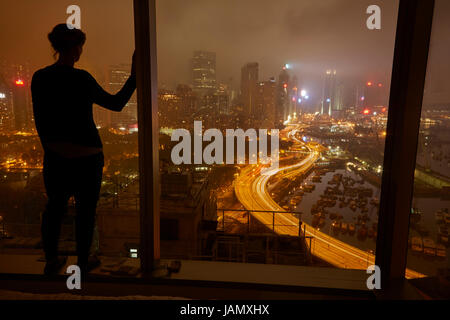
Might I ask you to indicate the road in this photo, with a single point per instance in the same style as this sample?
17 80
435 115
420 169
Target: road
251 191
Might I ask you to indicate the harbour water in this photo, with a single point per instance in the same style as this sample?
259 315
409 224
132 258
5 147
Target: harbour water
428 207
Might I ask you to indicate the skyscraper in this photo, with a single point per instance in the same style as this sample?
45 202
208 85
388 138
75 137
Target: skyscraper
21 108
18 78
266 101
282 97
249 81
329 92
339 102
118 75
188 100
204 72
223 99
294 96
375 95
6 116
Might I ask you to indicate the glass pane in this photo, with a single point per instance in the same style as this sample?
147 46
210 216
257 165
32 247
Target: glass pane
430 216
107 57
313 71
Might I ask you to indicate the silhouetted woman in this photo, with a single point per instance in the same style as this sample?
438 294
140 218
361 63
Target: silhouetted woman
73 160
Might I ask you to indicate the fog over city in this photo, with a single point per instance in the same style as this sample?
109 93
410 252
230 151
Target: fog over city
307 79
311 36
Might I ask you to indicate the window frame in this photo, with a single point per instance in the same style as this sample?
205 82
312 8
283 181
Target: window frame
411 50
148 135
406 94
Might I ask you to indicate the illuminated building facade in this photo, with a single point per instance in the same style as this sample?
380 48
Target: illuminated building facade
6 116
118 75
223 99
282 97
294 98
340 102
266 101
375 95
187 99
329 92
204 72
21 108
249 82
168 108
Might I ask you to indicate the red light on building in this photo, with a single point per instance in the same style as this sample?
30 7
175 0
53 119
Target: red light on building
384 109
369 84
366 111
285 85
19 82
380 85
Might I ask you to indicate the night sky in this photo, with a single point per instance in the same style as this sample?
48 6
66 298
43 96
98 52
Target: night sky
311 36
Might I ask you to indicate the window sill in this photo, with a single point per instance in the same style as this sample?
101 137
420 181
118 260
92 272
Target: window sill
220 277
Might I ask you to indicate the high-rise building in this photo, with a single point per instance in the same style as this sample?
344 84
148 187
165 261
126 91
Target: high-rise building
223 99
282 97
375 95
249 81
18 79
339 102
329 92
266 102
204 72
293 97
21 107
6 115
358 97
188 100
168 108
118 75
102 116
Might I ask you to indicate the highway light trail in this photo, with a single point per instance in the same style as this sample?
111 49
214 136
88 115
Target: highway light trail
251 191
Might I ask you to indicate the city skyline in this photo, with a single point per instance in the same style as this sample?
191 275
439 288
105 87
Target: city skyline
308 79
296 37
338 40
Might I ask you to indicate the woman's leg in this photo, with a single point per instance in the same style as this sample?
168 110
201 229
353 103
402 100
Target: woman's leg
86 197
51 224
58 195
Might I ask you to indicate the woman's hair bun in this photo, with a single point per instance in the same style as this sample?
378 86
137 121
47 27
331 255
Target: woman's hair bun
63 38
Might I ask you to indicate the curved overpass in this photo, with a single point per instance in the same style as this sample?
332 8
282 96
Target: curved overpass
251 191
